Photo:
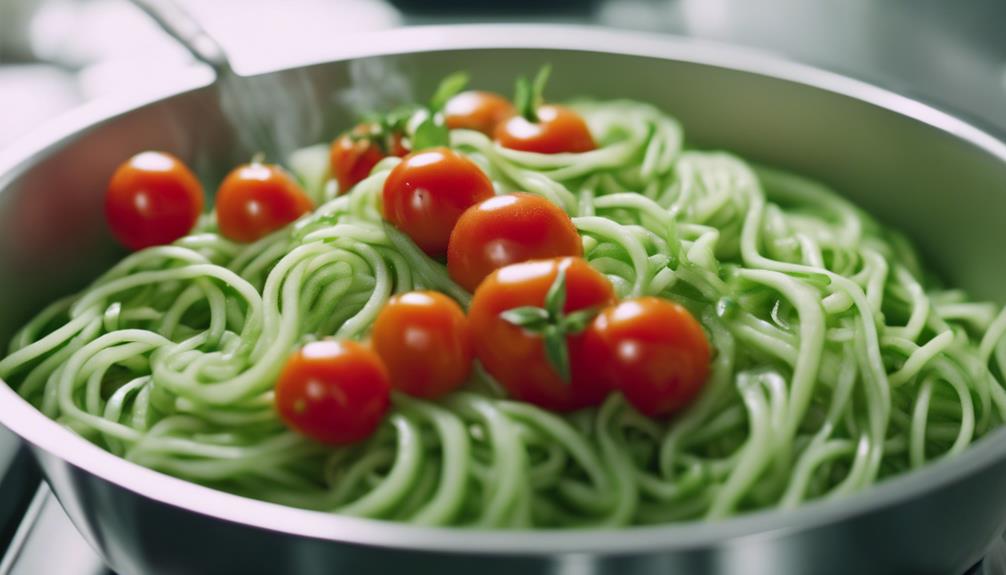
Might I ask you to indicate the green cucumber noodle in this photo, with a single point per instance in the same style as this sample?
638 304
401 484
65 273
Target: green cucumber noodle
839 361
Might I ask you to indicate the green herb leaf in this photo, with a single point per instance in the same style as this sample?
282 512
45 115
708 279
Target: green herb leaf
372 119
448 88
552 323
529 95
533 319
396 119
430 133
555 298
523 100
556 351
577 321
538 88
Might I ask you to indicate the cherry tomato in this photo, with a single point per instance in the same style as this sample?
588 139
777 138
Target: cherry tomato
257 199
428 191
423 338
152 199
653 350
516 356
557 130
474 110
508 229
354 154
333 391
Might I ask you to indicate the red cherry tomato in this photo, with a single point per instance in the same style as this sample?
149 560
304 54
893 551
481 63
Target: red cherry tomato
428 191
557 130
653 350
508 229
256 199
515 356
423 338
354 154
474 110
152 199
333 391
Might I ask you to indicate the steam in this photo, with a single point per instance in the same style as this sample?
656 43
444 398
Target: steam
277 114
375 84
274 114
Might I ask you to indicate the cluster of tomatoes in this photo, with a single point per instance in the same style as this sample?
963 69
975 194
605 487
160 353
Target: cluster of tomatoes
542 321
550 331
529 126
154 199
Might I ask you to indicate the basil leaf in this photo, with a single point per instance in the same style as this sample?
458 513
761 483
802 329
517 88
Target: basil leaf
531 318
556 351
430 133
448 88
577 321
523 100
397 119
538 87
555 298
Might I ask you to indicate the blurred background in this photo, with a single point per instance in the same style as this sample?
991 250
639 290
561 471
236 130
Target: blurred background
57 54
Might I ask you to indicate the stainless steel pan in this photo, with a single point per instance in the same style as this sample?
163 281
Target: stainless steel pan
939 178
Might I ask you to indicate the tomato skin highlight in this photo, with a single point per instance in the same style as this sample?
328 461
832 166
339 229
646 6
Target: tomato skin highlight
152 199
515 356
351 160
428 191
334 392
652 350
558 130
424 340
354 154
256 199
508 229
477 110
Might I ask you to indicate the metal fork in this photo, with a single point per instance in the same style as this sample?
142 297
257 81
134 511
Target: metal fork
273 114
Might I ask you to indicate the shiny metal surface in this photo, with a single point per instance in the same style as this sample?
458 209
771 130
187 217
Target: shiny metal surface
31 551
19 478
941 180
180 25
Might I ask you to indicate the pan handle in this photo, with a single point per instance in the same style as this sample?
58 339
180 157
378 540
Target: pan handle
183 27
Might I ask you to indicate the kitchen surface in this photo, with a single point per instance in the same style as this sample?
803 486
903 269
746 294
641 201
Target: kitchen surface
56 55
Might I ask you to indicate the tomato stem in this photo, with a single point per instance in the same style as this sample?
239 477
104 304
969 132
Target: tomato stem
528 95
555 297
432 132
448 88
553 324
556 351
